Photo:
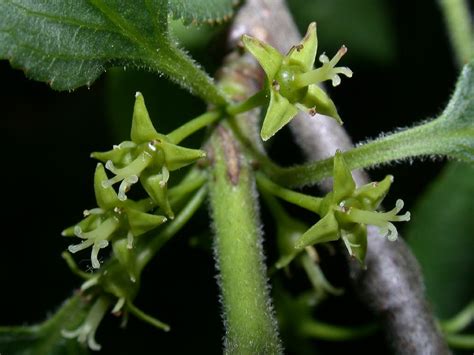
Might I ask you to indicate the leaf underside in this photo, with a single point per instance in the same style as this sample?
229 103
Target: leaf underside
46 338
203 11
69 43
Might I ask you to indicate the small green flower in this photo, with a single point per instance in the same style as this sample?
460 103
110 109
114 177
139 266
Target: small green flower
293 82
85 333
113 217
347 210
148 157
111 289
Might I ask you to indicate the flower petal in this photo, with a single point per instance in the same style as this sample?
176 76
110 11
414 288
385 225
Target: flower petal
344 184
152 183
141 222
268 57
305 53
355 240
142 127
372 194
280 111
326 230
106 197
317 99
176 156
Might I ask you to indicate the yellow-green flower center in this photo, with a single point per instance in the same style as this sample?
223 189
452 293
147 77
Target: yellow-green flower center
284 83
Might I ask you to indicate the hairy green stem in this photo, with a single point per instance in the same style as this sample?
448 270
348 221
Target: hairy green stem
460 28
192 126
250 324
256 100
305 201
432 138
176 64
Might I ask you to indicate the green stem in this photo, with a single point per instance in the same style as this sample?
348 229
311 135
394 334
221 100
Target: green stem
460 320
319 330
169 60
194 181
253 150
315 275
170 229
308 202
461 341
256 100
437 137
458 21
250 324
147 318
192 126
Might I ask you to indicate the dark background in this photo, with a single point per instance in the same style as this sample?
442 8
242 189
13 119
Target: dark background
403 73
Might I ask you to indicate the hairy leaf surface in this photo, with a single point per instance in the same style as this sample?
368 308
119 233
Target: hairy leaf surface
198 11
46 338
69 43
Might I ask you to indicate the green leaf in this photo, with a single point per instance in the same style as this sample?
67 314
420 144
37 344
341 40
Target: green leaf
199 11
451 135
441 236
46 338
70 43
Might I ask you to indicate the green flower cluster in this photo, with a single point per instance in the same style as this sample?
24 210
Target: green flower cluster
346 211
148 157
292 82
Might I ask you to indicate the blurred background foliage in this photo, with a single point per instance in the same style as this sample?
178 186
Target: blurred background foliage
404 72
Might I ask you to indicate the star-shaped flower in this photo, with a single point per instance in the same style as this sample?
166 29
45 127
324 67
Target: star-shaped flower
293 82
148 157
113 217
347 210
110 284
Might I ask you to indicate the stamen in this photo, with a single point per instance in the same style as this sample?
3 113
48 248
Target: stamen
125 186
380 219
78 232
336 80
343 70
165 175
86 332
129 240
323 58
134 168
118 306
89 283
81 246
95 252
338 56
93 211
